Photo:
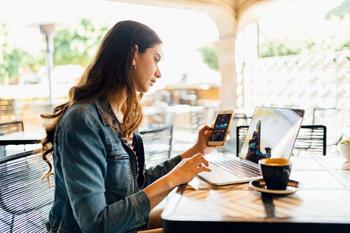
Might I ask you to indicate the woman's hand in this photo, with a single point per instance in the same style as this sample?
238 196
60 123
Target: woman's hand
181 174
201 145
187 169
202 140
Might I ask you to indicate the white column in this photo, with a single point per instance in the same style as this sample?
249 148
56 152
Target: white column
227 67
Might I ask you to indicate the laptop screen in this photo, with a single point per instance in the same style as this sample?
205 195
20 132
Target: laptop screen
272 133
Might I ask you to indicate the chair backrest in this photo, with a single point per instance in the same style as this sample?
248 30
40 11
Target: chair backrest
311 139
157 144
25 200
239 119
197 117
241 132
333 119
11 127
7 109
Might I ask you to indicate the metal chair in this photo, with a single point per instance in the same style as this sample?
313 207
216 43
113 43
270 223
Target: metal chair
311 139
157 144
25 200
197 117
333 119
238 119
241 132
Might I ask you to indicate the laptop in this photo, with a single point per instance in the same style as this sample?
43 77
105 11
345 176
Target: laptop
272 133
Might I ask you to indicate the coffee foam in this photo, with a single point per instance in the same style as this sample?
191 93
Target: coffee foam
275 162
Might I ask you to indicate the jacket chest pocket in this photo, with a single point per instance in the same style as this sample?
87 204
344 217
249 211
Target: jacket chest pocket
119 175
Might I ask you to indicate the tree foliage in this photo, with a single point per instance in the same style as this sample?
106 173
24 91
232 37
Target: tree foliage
71 46
12 59
271 49
340 11
78 45
209 57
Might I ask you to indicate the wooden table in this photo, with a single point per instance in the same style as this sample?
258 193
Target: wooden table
322 203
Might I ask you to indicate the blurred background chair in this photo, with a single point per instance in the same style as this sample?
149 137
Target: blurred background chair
157 143
241 132
11 127
311 139
25 199
333 119
197 118
238 119
7 128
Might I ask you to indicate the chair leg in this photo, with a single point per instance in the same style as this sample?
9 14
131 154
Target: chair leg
12 223
2 151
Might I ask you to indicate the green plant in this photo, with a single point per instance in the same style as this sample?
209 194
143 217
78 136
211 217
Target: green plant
13 59
78 45
345 140
209 57
272 49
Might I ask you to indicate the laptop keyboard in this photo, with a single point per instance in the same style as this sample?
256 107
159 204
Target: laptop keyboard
238 168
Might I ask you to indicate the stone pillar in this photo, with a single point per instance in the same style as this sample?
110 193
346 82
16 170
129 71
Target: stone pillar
225 18
227 67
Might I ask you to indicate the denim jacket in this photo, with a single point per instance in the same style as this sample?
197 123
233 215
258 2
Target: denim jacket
97 186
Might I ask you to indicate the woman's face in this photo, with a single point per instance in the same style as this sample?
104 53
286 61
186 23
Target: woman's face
146 69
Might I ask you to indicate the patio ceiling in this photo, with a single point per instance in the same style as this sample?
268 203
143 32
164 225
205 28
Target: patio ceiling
225 13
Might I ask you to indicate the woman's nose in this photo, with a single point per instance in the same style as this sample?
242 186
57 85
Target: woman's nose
158 74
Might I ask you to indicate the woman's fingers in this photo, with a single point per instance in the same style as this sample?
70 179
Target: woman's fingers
197 157
200 162
190 167
203 167
205 129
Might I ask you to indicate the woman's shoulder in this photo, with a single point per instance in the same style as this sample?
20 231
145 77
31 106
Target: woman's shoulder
82 110
80 113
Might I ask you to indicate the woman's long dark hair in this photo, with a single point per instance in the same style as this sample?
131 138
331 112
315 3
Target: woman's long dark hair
109 74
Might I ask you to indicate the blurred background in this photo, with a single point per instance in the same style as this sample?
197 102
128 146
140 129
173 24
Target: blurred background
216 54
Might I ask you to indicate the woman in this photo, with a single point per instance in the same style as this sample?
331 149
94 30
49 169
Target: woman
101 184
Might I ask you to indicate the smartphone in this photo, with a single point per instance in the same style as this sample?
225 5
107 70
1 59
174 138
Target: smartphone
221 128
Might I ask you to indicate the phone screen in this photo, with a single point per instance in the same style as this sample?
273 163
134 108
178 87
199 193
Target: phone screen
220 127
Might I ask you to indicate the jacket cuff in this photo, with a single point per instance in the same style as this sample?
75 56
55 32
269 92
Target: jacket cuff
175 160
142 214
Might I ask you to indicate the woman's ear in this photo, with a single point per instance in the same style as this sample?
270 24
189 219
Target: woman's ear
135 51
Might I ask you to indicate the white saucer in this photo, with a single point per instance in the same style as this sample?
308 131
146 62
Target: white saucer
259 185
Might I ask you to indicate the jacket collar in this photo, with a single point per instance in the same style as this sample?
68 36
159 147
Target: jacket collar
105 111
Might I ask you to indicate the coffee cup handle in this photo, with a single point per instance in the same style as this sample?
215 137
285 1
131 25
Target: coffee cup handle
286 172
